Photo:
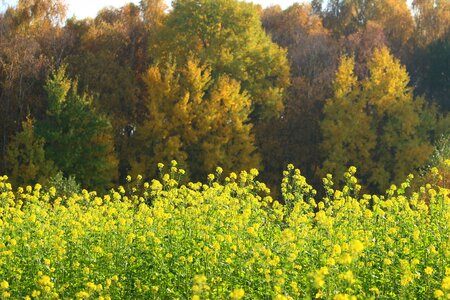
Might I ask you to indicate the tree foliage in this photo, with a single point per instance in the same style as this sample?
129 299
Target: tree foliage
110 60
227 36
77 139
26 159
31 38
432 18
432 71
226 82
195 119
376 123
313 55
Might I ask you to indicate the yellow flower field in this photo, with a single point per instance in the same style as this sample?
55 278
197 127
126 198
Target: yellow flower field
226 239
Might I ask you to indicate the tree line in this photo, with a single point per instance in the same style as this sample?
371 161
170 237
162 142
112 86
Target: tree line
323 85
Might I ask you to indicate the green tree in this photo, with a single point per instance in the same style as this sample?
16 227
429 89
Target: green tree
376 123
227 35
31 38
110 61
25 158
200 122
78 140
432 71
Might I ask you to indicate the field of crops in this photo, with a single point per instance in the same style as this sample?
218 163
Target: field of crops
225 239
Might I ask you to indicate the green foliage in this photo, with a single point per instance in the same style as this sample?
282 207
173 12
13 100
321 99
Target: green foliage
432 71
109 62
199 121
441 151
227 35
26 159
77 139
437 171
64 186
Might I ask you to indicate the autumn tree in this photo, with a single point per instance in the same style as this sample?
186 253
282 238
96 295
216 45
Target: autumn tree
362 44
199 121
376 123
154 14
432 20
313 55
398 25
345 17
25 158
31 40
348 138
77 139
227 35
109 61
338 16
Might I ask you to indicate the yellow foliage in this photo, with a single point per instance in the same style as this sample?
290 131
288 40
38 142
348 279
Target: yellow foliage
199 121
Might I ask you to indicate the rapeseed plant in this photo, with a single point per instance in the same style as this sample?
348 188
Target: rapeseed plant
227 239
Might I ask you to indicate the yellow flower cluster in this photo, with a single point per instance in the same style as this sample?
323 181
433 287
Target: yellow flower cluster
225 239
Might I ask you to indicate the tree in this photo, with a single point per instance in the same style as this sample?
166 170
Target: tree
31 39
313 55
338 16
199 121
398 25
376 123
154 14
432 71
25 158
39 13
432 19
78 140
109 61
227 35
345 17
362 45
348 138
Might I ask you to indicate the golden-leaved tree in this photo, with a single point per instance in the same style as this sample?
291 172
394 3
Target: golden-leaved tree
227 35
348 138
199 121
432 20
25 157
376 123
31 39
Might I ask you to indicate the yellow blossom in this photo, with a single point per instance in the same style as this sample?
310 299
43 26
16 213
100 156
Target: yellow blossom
4 285
237 294
446 283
